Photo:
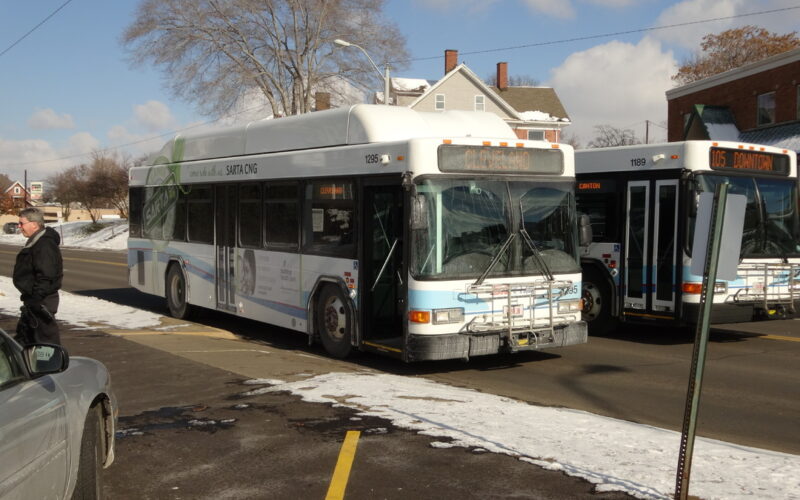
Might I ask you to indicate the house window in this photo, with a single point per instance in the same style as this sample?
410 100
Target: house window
480 103
766 109
439 102
535 135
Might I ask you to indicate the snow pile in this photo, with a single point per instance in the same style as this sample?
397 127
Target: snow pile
86 312
114 236
613 454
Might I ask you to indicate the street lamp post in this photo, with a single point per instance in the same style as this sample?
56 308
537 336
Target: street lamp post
384 75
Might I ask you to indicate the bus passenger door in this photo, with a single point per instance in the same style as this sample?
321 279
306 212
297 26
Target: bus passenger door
225 217
636 244
383 276
664 248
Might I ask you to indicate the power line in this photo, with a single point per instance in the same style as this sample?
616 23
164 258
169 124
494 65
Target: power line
23 37
485 51
606 35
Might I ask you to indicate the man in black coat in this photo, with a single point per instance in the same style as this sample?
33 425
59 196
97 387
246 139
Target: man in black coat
37 275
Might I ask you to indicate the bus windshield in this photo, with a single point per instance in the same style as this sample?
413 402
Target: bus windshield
771 221
460 226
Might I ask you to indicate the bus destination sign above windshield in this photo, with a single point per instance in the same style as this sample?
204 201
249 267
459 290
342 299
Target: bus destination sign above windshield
460 158
755 161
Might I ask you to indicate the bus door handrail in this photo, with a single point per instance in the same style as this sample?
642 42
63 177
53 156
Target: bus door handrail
383 267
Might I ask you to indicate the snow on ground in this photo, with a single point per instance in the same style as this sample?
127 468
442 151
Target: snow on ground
614 455
83 312
114 236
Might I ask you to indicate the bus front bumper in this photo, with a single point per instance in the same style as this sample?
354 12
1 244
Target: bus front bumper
466 345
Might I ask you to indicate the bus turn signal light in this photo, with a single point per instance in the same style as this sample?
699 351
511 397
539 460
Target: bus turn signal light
693 288
419 316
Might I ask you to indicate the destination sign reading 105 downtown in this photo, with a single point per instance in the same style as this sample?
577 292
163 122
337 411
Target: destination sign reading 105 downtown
739 159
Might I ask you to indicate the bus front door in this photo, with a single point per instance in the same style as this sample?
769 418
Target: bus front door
383 276
225 218
650 249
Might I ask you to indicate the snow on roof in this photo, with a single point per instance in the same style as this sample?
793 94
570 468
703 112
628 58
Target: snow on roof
540 116
410 84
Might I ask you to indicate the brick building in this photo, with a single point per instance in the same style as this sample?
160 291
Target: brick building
758 103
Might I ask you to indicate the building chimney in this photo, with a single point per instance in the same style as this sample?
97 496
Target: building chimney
322 101
502 75
450 60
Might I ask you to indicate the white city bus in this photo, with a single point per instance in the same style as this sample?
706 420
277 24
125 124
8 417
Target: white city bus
642 203
418 235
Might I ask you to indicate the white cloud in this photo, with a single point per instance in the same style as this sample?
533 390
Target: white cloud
616 83
154 116
46 119
557 8
613 3
41 159
688 11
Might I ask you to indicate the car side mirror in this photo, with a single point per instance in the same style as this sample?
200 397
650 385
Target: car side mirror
585 230
45 359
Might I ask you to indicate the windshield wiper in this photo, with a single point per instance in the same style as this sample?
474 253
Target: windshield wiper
496 258
537 254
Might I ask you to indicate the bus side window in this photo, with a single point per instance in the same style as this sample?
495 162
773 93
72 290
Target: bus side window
331 217
135 202
602 211
282 216
201 211
250 215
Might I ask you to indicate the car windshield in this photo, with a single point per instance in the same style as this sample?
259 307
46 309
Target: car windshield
771 221
459 227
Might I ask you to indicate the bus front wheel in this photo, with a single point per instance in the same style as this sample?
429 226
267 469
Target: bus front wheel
597 302
176 294
334 321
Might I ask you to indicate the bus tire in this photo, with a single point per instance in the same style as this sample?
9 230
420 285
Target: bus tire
597 302
89 483
177 301
334 321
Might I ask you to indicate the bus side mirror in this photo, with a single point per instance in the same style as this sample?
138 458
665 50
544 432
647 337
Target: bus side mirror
419 212
584 230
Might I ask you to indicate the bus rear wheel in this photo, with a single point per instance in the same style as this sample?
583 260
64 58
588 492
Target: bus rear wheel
176 294
597 302
334 321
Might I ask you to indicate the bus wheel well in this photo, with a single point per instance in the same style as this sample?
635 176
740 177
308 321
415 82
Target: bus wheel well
176 291
599 299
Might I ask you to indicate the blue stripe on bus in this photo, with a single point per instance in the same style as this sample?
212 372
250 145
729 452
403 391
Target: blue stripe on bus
444 299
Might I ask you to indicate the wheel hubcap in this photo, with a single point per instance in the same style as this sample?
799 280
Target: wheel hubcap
592 302
335 318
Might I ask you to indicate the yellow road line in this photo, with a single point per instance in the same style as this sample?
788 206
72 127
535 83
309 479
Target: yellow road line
76 259
343 465
217 334
381 346
781 337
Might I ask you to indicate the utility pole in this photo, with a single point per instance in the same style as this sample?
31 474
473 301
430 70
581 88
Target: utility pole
647 131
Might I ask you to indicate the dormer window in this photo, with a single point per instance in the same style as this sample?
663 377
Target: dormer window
439 102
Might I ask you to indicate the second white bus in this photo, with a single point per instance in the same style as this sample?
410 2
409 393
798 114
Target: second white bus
642 202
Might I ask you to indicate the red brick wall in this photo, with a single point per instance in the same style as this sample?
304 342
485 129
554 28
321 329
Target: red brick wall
741 96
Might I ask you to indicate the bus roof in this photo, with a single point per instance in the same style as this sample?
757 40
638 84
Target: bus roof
690 155
358 124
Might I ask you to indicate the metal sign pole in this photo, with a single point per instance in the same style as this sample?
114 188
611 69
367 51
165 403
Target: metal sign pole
700 344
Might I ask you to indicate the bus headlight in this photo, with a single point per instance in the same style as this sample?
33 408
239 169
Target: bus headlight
569 306
445 316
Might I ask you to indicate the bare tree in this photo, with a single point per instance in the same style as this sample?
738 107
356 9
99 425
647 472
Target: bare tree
214 52
608 136
731 49
514 81
107 182
64 188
